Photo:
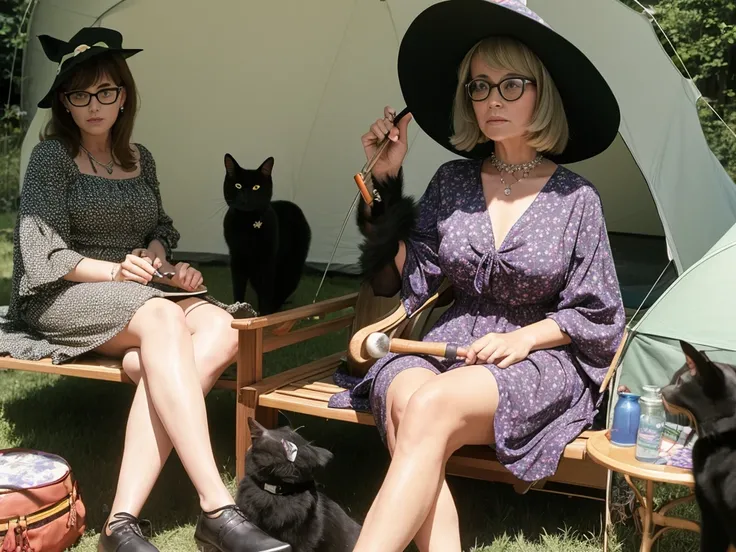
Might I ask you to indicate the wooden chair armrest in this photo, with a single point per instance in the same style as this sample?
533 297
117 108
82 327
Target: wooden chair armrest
292 316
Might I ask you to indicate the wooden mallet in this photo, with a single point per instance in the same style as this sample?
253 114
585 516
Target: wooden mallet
378 345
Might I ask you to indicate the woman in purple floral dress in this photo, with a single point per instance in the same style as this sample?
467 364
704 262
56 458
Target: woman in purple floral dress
523 242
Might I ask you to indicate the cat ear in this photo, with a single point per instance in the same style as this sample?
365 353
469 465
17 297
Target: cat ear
694 358
230 165
699 364
323 456
267 166
256 430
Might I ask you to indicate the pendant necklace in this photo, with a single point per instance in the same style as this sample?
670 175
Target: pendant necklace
502 167
107 166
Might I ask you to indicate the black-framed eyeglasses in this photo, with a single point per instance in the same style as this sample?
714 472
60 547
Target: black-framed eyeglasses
81 98
511 88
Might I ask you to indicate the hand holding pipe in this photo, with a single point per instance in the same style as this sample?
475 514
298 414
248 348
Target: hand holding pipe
364 176
362 179
378 345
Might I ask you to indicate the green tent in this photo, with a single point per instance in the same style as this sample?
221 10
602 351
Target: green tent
699 307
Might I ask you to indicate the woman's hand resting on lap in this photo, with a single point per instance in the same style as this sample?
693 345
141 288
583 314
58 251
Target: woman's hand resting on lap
135 269
501 349
139 266
186 277
151 256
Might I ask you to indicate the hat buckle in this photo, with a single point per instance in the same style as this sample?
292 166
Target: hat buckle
78 50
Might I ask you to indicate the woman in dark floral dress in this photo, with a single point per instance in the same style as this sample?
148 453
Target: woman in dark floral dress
523 242
91 233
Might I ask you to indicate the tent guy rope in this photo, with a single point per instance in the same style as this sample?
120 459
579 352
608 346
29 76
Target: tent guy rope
362 179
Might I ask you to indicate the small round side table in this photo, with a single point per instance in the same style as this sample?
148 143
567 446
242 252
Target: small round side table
622 460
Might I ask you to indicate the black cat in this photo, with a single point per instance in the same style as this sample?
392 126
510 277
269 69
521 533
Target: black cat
706 392
279 495
268 240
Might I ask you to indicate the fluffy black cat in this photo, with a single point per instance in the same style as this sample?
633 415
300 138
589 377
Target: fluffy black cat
268 240
279 495
706 392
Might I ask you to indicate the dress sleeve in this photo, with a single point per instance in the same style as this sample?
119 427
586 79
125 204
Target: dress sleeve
421 276
589 308
164 231
43 216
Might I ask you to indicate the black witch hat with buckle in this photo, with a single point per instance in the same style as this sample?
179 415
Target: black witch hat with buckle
87 43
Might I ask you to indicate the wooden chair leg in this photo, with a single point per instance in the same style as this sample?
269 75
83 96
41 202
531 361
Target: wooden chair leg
248 408
242 437
250 370
607 513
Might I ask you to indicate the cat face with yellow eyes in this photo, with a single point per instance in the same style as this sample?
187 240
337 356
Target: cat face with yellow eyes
248 189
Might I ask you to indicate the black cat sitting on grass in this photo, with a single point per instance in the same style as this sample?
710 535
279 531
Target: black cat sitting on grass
268 240
279 493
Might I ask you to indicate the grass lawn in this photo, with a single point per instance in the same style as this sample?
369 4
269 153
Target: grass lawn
84 421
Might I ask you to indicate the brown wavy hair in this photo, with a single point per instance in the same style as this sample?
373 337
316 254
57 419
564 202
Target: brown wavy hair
63 128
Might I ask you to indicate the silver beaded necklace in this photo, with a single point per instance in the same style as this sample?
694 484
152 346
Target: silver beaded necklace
502 167
107 166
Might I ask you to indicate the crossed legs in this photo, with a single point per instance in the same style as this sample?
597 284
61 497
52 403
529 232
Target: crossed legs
175 352
428 418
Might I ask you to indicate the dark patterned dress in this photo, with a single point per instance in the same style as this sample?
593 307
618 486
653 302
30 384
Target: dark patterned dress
554 263
64 216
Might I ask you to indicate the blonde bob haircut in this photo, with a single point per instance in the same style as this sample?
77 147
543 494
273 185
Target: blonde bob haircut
548 130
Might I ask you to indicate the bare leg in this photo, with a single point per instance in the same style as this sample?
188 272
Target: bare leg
467 397
147 444
440 532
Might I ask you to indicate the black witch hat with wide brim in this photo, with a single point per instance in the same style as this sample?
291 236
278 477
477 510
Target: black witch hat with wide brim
86 44
439 38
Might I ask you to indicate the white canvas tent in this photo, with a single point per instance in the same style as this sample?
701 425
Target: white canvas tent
303 80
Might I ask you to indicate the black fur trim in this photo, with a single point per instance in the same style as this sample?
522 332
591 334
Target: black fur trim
384 225
391 190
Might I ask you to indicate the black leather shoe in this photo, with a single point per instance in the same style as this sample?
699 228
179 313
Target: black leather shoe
232 532
125 536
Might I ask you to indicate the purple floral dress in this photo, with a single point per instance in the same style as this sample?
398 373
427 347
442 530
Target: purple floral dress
554 263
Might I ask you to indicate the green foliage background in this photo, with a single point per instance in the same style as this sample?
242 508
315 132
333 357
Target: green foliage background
704 34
